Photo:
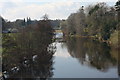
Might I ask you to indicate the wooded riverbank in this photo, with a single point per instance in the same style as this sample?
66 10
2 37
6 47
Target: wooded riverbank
99 22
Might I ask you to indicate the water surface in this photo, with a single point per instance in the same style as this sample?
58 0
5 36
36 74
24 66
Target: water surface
78 58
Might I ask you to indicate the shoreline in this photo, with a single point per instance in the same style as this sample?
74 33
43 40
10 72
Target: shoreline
95 38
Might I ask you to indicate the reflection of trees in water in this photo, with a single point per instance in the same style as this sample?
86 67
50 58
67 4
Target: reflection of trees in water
91 53
27 55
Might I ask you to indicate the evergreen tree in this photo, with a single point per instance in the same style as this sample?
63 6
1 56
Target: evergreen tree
117 5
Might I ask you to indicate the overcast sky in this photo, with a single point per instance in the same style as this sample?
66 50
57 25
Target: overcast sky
56 9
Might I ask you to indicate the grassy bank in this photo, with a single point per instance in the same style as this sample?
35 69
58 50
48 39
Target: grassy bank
113 41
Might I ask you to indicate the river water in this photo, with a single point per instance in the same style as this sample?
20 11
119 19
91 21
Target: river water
84 60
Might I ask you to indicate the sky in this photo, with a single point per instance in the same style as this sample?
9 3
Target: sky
35 9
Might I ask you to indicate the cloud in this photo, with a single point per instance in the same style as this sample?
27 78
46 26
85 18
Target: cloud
54 10
13 9
58 0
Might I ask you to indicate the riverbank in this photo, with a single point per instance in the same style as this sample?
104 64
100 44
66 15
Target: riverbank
113 41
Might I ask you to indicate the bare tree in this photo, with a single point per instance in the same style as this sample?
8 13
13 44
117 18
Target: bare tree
45 17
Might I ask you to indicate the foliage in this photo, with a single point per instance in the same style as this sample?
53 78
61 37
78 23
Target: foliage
117 5
19 50
99 21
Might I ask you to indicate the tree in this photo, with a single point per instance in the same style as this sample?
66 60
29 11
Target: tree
117 5
28 21
5 24
80 21
63 25
23 22
101 20
71 24
45 17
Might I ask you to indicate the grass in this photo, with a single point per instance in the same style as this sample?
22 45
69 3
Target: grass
114 39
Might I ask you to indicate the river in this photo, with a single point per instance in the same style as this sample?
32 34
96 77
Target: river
76 60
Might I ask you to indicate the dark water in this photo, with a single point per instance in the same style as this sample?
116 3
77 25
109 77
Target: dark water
64 58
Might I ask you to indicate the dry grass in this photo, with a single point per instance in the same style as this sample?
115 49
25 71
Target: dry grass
114 39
